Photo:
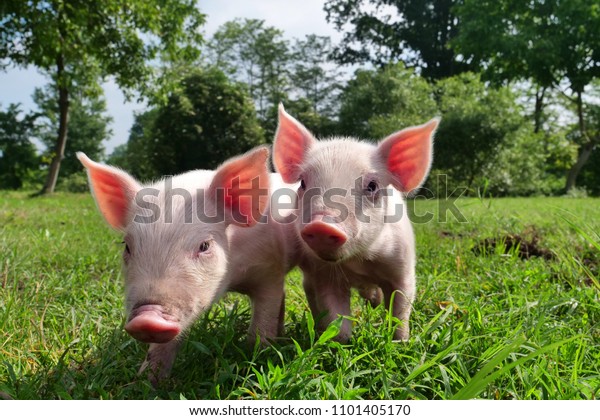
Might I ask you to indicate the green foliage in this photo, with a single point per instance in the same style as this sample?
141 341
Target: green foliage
525 165
88 126
136 155
299 74
77 182
550 42
99 39
209 121
79 43
19 162
118 156
543 40
303 109
489 326
477 123
375 103
254 54
590 175
484 141
416 32
483 138
206 120
310 77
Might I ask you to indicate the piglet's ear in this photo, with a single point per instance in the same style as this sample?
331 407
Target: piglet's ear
408 155
292 142
243 183
113 190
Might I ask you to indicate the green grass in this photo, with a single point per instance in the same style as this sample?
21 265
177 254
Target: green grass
485 325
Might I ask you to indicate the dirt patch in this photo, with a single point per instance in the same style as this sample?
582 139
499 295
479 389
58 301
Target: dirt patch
449 234
590 261
525 247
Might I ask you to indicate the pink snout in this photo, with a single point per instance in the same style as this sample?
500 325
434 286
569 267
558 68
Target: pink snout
323 238
149 324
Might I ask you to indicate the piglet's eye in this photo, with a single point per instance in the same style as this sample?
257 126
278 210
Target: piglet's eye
204 246
302 185
372 187
126 252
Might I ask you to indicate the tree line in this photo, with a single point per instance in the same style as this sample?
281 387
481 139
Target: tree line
516 85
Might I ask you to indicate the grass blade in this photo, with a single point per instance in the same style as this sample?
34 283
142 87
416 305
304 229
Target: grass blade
484 377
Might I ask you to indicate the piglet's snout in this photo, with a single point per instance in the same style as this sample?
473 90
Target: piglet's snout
149 324
323 237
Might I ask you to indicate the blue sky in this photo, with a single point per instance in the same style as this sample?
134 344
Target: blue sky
295 18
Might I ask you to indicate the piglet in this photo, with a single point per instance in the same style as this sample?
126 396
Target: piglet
189 239
352 220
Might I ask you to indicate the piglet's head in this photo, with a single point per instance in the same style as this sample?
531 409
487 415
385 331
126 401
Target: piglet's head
175 243
344 183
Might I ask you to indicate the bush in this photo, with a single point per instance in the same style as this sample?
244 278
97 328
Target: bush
377 103
76 183
210 120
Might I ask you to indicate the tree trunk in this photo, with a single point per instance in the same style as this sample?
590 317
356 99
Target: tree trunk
61 140
539 109
585 150
582 157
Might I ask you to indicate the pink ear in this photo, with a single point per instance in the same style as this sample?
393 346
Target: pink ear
245 181
113 190
408 153
292 141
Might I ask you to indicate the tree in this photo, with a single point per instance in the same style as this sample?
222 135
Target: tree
321 124
300 76
312 76
118 157
376 103
88 126
477 123
482 136
550 42
77 43
416 32
590 174
255 54
311 95
136 155
208 121
18 155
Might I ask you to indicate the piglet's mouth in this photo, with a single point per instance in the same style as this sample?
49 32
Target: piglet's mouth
324 216
331 258
150 323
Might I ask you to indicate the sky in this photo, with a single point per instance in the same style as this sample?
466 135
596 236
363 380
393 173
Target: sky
295 18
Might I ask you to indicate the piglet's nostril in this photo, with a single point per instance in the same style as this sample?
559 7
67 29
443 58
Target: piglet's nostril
335 239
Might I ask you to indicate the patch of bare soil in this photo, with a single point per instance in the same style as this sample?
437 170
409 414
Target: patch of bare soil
526 247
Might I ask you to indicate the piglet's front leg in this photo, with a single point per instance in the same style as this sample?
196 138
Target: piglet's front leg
159 361
268 307
329 298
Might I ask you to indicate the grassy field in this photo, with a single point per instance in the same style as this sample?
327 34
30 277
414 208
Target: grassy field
491 319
